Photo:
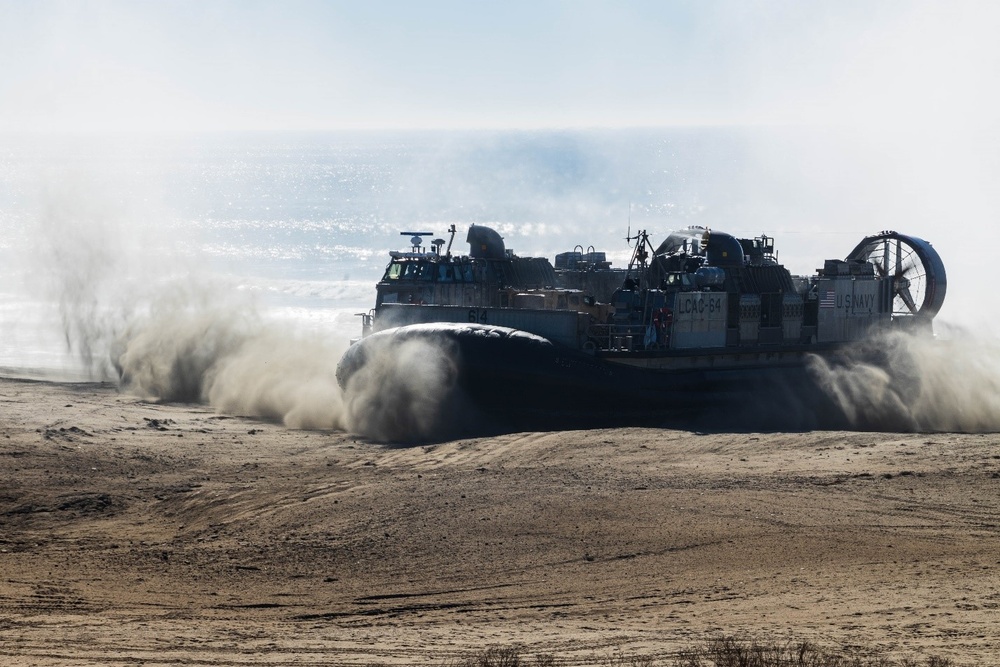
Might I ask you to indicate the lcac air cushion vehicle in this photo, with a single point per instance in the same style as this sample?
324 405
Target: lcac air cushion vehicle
703 321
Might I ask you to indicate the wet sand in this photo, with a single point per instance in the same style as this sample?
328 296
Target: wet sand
138 533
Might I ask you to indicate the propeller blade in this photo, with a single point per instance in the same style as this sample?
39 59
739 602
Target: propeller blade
904 294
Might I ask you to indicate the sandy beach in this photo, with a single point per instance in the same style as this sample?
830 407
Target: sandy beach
144 533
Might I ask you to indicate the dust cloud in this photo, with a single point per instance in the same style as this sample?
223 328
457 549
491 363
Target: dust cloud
84 257
243 365
133 311
912 382
194 346
419 373
198 348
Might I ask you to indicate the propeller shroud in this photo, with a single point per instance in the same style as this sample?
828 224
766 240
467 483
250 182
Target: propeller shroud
918 277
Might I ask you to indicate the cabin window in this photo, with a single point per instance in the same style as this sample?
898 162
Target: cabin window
393 271
445 273
417 271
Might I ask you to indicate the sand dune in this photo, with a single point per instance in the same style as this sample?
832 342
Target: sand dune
141 532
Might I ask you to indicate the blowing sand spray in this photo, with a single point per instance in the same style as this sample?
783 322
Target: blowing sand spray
950 383
240 364
133 312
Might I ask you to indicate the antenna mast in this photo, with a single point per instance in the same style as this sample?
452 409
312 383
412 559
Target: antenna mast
628 234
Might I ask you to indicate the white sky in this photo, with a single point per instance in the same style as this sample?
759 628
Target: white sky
308 64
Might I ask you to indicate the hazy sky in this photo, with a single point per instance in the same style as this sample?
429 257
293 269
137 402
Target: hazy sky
312 64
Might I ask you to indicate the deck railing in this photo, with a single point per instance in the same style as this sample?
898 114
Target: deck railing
626 337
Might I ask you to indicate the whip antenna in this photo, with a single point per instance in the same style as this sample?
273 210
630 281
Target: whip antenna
628 233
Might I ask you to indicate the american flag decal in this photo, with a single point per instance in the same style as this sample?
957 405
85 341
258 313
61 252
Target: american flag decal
828 299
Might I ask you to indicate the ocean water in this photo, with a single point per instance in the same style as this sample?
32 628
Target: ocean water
297 227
